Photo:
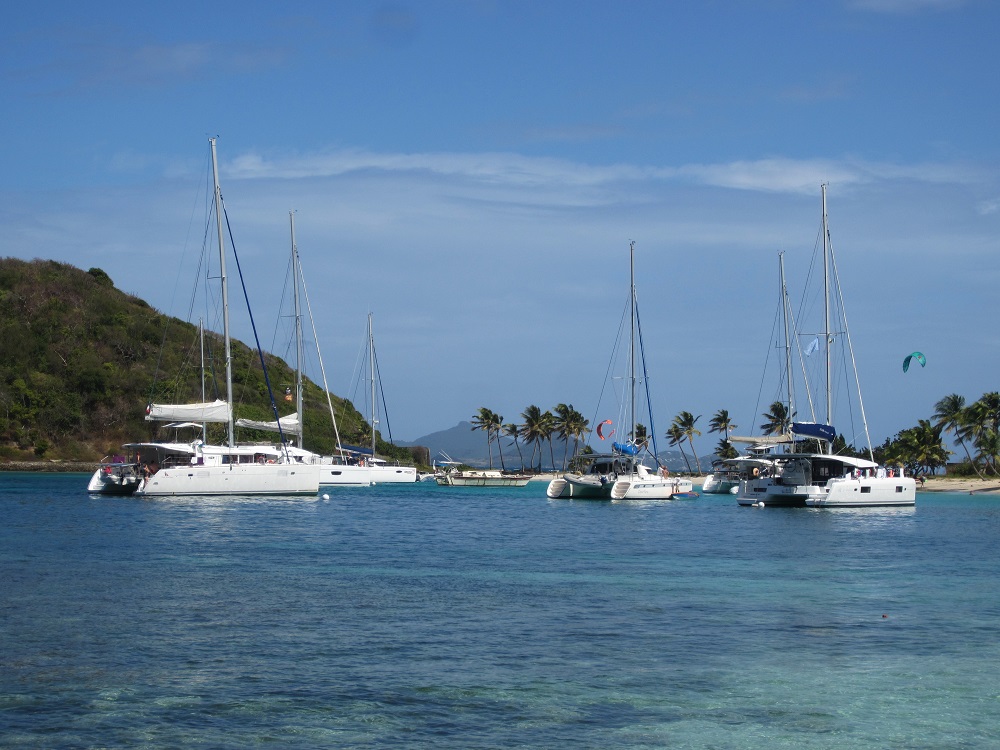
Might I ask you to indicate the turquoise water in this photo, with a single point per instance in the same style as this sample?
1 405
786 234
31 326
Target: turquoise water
426 616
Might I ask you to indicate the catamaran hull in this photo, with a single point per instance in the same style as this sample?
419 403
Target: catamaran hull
579 487
649 488
869 492
716 485
233 479
484 481
394 475
103 483
339 475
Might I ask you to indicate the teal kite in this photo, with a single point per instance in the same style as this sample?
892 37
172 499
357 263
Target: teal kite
917 356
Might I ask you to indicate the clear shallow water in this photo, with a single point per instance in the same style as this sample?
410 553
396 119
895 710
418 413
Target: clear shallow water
469 618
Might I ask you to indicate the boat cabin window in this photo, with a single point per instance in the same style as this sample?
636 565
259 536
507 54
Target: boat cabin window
824 470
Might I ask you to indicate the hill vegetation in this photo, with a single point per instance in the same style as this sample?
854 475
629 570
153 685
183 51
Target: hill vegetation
80 359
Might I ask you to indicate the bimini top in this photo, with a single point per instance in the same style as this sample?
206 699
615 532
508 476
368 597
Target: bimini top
857 463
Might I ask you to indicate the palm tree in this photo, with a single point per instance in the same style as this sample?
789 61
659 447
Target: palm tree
532 431
686 421
985 412
779 421
485 420
991 406
988 446
496 424
725 449
562 425
919 448
569 423
677 437
951 415
641 436
548 428
721 423
579 427
983 422
511 430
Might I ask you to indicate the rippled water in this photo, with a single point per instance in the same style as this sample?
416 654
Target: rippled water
425 616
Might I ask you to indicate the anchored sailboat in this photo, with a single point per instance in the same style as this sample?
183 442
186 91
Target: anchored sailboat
824 479
363 466
729 472
622 474
197 468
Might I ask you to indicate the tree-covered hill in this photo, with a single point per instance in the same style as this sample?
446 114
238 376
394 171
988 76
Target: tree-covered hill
79 361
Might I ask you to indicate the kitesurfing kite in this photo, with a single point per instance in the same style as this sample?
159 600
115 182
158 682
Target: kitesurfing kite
917 356
600 430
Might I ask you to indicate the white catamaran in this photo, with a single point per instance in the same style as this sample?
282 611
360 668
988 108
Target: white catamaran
824 479
622 474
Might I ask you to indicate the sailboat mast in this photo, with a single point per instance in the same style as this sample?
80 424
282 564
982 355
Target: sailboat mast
631 337
788 341
298 328
826 308
371 367
201 343
225 295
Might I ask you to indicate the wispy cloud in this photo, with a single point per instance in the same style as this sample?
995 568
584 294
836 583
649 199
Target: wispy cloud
773 175
988 207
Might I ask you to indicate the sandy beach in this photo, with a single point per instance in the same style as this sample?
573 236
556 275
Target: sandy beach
971 486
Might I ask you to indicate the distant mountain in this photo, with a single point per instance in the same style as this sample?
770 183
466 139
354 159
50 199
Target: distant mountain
460 442
468 446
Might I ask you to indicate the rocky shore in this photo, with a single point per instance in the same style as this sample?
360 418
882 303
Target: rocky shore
53 465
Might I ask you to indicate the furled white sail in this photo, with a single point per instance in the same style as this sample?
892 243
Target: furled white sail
289 424
762 440
214 411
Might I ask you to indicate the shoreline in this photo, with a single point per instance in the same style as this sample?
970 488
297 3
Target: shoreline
969 485
53 465
964 485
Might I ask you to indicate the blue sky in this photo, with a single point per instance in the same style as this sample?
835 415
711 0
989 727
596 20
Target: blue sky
473 172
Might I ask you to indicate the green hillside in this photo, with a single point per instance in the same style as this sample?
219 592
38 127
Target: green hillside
79 361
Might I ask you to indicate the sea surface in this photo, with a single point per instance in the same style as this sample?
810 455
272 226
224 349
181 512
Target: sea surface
433 617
